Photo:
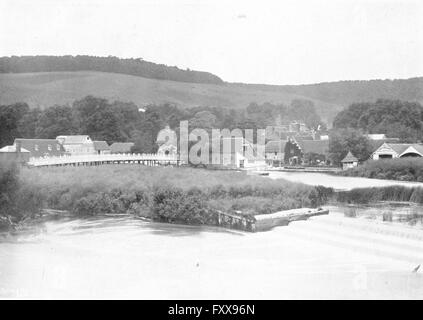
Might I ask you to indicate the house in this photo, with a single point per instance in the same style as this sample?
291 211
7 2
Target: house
275 152
121 147
40 147
77 145
15 154
349 161
397 150
314 151
101 147
376 136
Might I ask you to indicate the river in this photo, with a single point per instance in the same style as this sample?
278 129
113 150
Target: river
337 182
331 256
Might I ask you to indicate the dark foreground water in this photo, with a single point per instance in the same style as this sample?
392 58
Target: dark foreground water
325 257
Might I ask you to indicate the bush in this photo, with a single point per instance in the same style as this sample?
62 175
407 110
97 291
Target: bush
402 169
172 204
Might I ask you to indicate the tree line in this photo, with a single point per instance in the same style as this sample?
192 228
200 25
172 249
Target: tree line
136 67
117 121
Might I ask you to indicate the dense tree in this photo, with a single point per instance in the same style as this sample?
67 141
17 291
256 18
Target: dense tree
395 118
10 116
28 124
343 140
55 121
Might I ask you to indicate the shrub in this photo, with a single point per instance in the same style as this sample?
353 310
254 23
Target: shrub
172 204
403 169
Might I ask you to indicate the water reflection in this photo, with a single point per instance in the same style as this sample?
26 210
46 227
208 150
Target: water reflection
395 212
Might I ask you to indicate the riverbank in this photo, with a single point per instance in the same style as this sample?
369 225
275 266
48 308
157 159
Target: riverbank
400 169
176 195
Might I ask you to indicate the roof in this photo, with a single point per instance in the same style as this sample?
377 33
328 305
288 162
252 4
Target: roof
101 145
41 147
11 149
80 139
121 147
413 148
275 146
349 158
398 147
314 146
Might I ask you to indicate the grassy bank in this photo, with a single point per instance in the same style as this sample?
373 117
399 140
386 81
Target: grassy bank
372 195
183 195
403 169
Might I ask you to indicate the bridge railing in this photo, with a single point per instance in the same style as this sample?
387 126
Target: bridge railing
86 158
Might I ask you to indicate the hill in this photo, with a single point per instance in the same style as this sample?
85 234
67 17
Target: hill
136 67
44 89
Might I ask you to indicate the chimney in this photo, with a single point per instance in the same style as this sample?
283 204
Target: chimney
18 144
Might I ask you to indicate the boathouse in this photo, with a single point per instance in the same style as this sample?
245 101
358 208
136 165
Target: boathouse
398 150
349 161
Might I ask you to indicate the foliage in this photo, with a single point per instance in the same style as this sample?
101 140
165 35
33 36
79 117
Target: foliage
403 169
166 194
10 115
17 200
343 140
395 118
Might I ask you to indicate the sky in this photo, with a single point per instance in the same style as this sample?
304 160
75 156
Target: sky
272 42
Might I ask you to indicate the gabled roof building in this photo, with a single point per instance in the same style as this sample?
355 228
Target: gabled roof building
398 150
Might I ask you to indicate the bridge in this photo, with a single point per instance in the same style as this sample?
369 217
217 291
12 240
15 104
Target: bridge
100 159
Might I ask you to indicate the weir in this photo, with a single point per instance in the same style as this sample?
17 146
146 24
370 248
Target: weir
265 222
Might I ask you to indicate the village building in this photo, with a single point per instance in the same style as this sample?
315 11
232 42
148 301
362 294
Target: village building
376 136
40 147
77 145
236 153
314 152
397 150
121 147
275 152
295 151
101 147
349 161
324 137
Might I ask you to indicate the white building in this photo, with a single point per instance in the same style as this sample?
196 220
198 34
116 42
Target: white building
349 161
77 145
398 150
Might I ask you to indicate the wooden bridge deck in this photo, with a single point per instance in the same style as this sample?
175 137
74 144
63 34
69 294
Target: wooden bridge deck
100 159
